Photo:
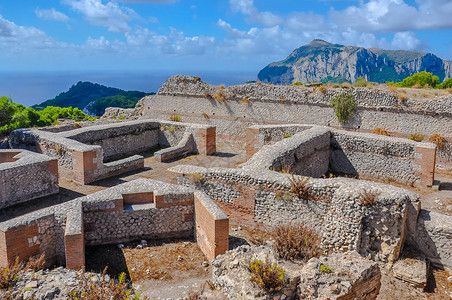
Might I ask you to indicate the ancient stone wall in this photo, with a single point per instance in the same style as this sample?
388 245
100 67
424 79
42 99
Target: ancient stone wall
140 209
270 104
305 153
25 175
317 150
334 207
365 154
83 153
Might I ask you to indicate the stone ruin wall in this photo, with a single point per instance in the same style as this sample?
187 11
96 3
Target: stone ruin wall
271 104
25 176
336 212
338 216
88 154
62 231
316 150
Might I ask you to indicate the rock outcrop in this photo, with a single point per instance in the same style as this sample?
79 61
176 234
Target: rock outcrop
322 61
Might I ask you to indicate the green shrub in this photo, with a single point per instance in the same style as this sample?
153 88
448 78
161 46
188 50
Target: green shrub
325 269
447 84
421 79
296 83
121 118
344 106
296 242
361 82
14 116
268 276
175 118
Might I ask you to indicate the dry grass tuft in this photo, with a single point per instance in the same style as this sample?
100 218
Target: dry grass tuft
380 131
220 96
346 85
206 116
323 88
437 139
282 98
299 188
402 98
392 88
245 100
368 198
296 242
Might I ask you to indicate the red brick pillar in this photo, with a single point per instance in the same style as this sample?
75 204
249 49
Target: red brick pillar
84 166
252 141
205 139
425 158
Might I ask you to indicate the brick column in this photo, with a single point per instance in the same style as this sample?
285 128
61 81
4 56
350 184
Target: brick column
212 227
425 158
205 139
252 141
75 251
84 166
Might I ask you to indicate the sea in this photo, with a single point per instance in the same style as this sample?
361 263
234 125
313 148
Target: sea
30 88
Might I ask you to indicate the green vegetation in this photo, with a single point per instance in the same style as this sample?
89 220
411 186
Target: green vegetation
287 135
417 137
14 116
268 276
447 84
123 100
422 79
361 82
100 97
296 83
325 269
344 106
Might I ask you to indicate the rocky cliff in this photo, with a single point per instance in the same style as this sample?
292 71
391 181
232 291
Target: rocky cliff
322 61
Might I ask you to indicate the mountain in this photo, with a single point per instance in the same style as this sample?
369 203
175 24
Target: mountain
322 61
93 98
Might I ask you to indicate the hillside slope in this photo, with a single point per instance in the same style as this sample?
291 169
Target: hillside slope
322 61
93 98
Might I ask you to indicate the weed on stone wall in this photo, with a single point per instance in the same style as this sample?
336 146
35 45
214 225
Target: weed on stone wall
325 269
246 100
299 188
196 178
220 96
103 289
344 106
380 131
268 276
437 139
175 118
368 198
417 137
12 274
296 242
207 94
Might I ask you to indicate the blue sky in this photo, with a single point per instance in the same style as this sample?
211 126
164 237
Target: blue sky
239 35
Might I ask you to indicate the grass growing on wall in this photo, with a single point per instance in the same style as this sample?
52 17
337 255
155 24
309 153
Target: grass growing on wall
344 107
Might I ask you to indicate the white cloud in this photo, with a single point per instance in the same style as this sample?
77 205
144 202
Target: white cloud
109 15
247 7
173 43
395 15
405 40
17 38
51 14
